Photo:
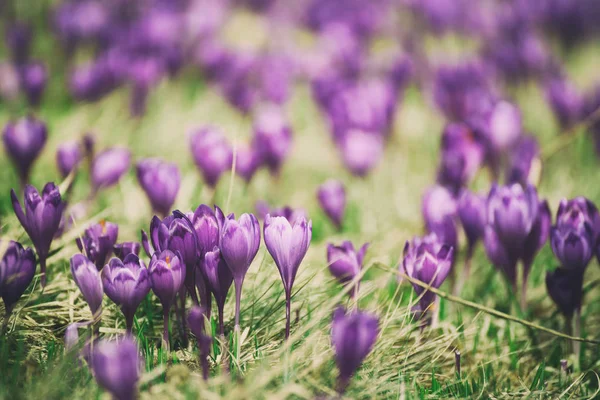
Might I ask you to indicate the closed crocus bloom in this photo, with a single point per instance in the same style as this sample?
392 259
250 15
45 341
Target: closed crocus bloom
345 263
212 153
160 180
361 151
218 279
117 366
71 336
98 241
287 243
565 101
439 212
240 241
332 198
272 138
207 226
565 287
122 250
88 281
429 262
68 157
33 81
24 141
525 163
247 162
472 214
41 219
353 335
504 126
504 261
126 283
109 166
18 40
575 213
167 273
196 321
17 269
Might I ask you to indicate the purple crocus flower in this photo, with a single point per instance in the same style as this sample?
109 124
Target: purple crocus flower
565 287
247 162
429 261
98 241
24 141
68 157
439 213
565 101
17 268
332 198
240 241
196 321
126 283
117 366
167 273
345 263
272 138
212 153
109 166
160 180
288 245
41 219
504 126
353 335
361 151
472 209
122 250
33 81
86 277
525 164
217 278
18 40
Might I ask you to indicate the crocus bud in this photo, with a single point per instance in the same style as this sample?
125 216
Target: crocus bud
247 162
525 163
98 241
212 153
537 236
18 40
574 248
117 366
472 214
41 219
122 250
24 141
332 198
429 261
88 281
496 252
68 157
288 245
167 274
565 102
109 166
565 287
439 212
505 126
33 81
361 151
207 227
218 278
126 283
353 335
17 269
240 241
272 138
160 180
345 263
196 321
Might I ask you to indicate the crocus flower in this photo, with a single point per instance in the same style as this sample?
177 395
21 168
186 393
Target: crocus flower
86 277
525 163
167 274
472 214
345 263
98 241
565 287
33 81
109 166
17 268
272 138
122 250
240 241
332 198
212 153
361 151
504 126
439 212
18 40
353 335
207 224
117 366
41 219
24 141
288 245
218 279
247 162
565 102
429 261
68 157
196 321
71 336
160 180
126 283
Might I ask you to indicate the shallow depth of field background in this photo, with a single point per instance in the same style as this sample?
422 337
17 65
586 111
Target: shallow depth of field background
500 359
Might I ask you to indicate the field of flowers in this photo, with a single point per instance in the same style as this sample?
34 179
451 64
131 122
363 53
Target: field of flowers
248 199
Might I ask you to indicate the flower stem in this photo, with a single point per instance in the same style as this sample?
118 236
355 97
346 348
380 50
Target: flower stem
43 270
577 333
221 324
166 326
238 297
9 311
288 306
